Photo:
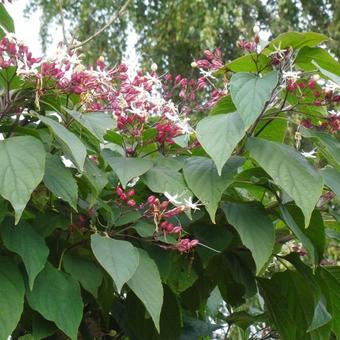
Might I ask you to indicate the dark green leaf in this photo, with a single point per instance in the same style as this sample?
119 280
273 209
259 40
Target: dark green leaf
56 296
84 271
147 285
12 291
254 227
25 241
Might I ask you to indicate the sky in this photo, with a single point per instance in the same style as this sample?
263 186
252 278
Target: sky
27 30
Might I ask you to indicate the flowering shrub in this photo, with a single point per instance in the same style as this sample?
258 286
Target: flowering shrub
162 207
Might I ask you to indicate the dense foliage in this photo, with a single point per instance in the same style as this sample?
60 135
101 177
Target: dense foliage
171 32
163 207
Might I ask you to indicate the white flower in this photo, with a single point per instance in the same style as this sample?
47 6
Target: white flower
331 86
207 74
310 154
173 198
334 113
154 67
190 204
291 75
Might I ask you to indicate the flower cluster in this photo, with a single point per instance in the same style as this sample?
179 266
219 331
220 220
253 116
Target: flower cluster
14 53
126 196
331 123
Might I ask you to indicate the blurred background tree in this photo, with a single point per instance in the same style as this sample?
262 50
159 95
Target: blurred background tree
172 32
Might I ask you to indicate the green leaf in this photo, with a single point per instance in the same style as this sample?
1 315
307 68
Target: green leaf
251 92
97 123
330 279
216 237
147 285
274 130
254 227
304 239
59 180
290 304
249 63
219 135
22 164
127 168
85 272
290 170
334 77
6 20
119 258
307 55
144 229
96 177
224 105
129 217
25 241
201 175
12 292
162 179
327 145
71 144
294 40
56 296
332 179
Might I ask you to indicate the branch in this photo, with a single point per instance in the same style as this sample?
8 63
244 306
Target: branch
115 16
62 20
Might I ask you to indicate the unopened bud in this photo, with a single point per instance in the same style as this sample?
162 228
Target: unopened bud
256 29
154 67
193 64
316 77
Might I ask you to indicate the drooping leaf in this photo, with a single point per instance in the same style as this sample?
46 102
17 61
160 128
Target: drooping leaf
25 241
304 239
334 77
127 168
97 123
290 170
147 285
22 165
72 146
219 135
86 272
332 179
250 93
56 296
12 292
59 180
290 304
254 227
119 258
329 277
307 55
201 175
6 20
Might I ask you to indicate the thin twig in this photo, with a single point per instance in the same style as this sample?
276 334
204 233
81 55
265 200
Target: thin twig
115 16
60 4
